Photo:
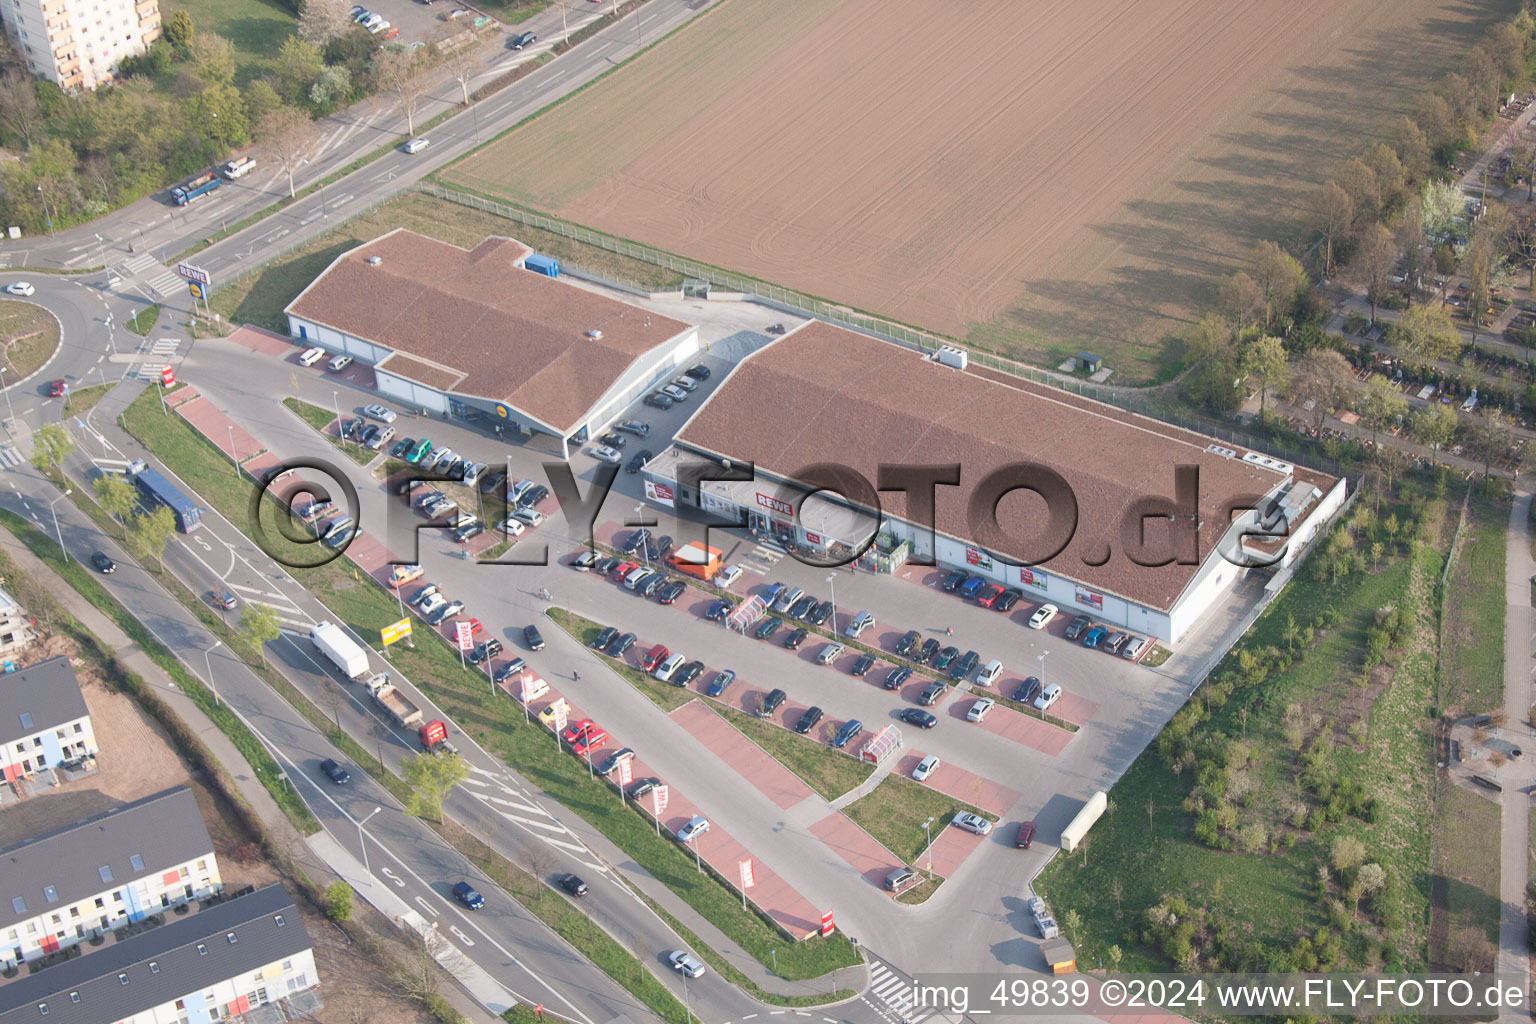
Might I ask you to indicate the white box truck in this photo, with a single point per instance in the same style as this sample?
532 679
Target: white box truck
337 646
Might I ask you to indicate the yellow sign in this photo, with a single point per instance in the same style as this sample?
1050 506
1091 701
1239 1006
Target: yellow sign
395 631
196 289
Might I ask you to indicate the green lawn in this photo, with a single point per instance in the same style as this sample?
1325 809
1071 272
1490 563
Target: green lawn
1469 871
829 772
1473 659
320 419
664 695
83 400
494 721
30 336
257 28
894 814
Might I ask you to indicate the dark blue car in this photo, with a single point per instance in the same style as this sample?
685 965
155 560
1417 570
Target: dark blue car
467 895
849 730
971 587
718 684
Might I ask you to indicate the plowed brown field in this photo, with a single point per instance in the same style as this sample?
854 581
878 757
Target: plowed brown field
1031 175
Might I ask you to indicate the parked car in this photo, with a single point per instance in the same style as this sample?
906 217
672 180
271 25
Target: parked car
379 412
863 665
925 654
971 587
980 709
846 732
675 393
698 372
945 658
974 823
634 427
420 597
718 685
718 610
103 563
335 771
603 453
671 592
767 628
467 895
1115 641
931 694
469 530
918 717
1095 636
896 676
687 383
604 638
1025 835
1028 690
611 763
507 669
955 580
693 828
655 656
1006 600
964 666
484 651
529 516
821 614
1133 647
533 638
521 39
638 460
908 643
585 561
829 654
688 673
925 768
641 787
1042 616
772 701
1048 696
730 574
621 643
989 595
490 483
658 400
808 719
1076 627
445 612
793 641
803 607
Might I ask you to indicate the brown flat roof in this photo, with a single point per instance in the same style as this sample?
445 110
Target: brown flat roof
826 394
508 334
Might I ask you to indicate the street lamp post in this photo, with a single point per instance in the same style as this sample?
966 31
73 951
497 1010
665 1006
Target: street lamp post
644 553
336 404
1041 660
697 863
57 532
687 1006
832 583
46 215
362 840
208 662
7 390
233 455
928 850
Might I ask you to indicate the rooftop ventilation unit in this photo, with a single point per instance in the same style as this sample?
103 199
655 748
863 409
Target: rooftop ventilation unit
1226 453
1255 459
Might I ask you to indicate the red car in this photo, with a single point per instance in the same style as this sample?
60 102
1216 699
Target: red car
585 736
623 569
655 656
987 596
56 388
474 626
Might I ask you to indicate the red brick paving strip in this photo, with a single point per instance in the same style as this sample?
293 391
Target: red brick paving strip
750 761
1008 723
214 425
857 847
950 848
267 343
974 789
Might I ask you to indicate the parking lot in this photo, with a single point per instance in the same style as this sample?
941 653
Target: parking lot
1013 765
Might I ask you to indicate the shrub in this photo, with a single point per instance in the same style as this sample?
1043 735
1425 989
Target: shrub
338 902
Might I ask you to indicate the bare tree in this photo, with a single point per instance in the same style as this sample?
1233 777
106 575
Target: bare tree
541 861
19 115
461 67
287 135
1373 262
1279 277
400 73
1410 242
1488 437
1331 212
1240 298
1322 377
321 22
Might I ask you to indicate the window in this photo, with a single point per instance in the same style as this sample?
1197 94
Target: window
79 728
19 905
74 997
42 1008
279 919
26 719
100 903
57 733
231 937
181 1004
51 894
122 979
287 965
74 911
105 872
202 950
184 872
154 967
136 862
202 865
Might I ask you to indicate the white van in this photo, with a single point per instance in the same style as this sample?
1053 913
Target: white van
339 363
312 356
990 672
668 668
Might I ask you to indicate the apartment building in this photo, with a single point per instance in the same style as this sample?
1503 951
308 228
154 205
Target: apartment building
209 966
78 43
43 719
102 873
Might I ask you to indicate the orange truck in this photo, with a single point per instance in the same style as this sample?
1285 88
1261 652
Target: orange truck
696 560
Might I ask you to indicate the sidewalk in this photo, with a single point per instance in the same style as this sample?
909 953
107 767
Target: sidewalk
1519 569
321 870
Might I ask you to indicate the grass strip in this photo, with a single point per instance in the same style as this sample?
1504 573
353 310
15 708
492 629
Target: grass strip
143 320
320 418
664 695
828 771
895 811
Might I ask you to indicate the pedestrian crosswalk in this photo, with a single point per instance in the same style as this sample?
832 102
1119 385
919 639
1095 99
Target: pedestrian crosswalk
762 558
10 457
161 280
156 353
890 993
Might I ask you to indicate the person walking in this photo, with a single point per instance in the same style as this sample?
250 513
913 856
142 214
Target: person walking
576 676
949 630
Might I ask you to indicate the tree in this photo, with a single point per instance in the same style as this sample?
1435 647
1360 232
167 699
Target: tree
117 497
1373 261
461 65
399 72
1347 851
19 114
1331 211
1240 298
287 135
213 58
1072 923
1442 206
430 777
149 532
1410 242
1411 146
1264 360
299 64
338 902
50 445
260 99
1280 278
259 626
179 31
1382 405
331 87
1390 175
1488 437
1322 377
1520 243
1469 950
1372 879
1113 956
319 22
1433 427
1359 182
1427 333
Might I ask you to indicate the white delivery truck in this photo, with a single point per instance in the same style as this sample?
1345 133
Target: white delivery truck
334 643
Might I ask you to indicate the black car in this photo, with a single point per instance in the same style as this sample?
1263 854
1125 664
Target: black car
1076 626
896 676
632 542
700 372
654 584
931 694
925 653
718 611
919 718
635 427
946 657
1028 690
534 639
803 608
605 566
772 701
672 591
640 787
965 665
493 482
353 428
485 649
1006 600
400 447
368 434
863 665
820 614
908 643
718 685
767 628
613 440
607 765
658 400
468 530
638 460
336 771
509 669
955 580
621 643
603 639
795 639
533 496
521 39
573 885
688 673
103 563
808 720
656 548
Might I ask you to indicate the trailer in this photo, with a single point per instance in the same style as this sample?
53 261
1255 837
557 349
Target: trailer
195 188
400 708
334 643
155 489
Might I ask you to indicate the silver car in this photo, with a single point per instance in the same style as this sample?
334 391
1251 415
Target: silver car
685 962
380 413
603 453
972 823
693 828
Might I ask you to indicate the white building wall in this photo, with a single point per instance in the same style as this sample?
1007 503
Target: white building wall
643 376
59 926
233 996
417 396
